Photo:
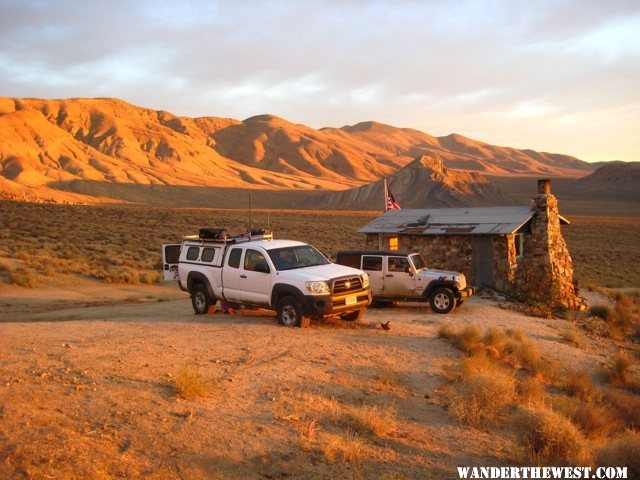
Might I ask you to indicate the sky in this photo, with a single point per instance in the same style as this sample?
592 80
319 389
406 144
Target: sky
559 76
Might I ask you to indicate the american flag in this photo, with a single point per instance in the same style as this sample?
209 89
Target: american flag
392 204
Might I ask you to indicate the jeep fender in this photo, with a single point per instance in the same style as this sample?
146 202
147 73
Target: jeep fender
440 283
198 277
281 290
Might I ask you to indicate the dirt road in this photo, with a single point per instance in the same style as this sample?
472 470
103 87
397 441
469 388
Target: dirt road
87 389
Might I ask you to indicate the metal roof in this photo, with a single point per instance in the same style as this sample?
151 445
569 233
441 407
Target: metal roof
453 221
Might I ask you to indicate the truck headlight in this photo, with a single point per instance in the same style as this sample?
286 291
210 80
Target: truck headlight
365 280
318 288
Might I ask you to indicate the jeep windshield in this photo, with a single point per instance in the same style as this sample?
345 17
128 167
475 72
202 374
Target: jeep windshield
418 261
289 258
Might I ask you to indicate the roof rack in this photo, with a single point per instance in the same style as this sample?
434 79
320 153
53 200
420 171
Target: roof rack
220 235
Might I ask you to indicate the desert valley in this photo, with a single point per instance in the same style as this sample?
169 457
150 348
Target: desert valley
105 372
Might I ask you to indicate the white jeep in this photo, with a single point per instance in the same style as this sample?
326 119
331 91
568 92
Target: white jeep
290 277
400 276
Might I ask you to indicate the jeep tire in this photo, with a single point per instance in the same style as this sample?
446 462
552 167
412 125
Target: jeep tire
289 313
200 299
442 300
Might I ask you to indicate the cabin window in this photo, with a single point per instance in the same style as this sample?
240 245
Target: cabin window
519 242
393 244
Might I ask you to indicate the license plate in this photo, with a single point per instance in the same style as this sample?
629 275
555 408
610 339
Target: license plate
351 300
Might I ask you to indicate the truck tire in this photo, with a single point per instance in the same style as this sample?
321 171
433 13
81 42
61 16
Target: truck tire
442 300
200 299
354 316
290 314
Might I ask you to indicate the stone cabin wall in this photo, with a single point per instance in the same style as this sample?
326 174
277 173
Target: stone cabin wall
455 252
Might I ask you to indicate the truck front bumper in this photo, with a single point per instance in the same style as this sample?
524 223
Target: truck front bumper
324 305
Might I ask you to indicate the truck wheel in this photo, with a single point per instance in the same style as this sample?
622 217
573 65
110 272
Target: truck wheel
442 300
289 313
354 316
200 299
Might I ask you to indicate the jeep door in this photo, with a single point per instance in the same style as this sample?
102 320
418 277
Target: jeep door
399 277
372 265
255 278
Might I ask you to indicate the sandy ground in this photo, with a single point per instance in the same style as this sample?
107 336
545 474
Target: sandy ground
87 388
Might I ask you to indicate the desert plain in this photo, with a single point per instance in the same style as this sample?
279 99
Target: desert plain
105 372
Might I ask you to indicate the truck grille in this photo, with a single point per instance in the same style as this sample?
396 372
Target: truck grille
345 285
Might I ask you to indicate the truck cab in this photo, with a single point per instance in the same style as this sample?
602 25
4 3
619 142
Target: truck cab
398 276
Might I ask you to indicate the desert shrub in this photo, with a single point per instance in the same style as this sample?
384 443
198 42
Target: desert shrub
595 422
626 406
624 450
469 339
479 399
620 369
23 278
191 384
530 391
547 437
605 312
578 384
380 421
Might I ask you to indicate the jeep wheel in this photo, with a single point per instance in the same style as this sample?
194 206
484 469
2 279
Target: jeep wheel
289 313
200 299
354 316
442 300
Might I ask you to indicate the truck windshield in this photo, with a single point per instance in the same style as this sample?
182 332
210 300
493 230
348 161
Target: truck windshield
288 258
418 261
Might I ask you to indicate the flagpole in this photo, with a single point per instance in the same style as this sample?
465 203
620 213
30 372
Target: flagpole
386 194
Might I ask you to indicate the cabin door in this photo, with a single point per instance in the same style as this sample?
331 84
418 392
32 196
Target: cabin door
483 262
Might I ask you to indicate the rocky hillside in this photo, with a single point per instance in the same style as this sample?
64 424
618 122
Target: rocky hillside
424 183
49 145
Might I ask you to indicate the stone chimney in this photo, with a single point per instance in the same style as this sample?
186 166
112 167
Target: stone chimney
546 271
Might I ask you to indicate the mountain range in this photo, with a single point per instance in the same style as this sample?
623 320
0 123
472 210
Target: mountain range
52 149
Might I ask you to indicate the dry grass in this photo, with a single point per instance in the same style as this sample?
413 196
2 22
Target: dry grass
372 419
622 451
343 448
571 334
121 244
190 384
548 438
482 392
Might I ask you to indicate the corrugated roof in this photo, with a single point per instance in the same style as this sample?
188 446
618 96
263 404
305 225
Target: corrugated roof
452 221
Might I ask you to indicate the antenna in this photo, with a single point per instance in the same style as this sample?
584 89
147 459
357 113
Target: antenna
250 212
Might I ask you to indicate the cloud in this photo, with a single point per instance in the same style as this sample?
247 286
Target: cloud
435 65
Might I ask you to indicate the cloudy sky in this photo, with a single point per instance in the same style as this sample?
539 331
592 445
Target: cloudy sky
551 75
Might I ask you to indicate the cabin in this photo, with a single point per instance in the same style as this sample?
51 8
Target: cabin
517 250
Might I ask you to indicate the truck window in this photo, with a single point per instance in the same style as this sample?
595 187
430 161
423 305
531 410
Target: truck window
372 263
255 261
234 258
192 253
208 254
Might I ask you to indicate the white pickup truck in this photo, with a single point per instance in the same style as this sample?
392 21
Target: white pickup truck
290 277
